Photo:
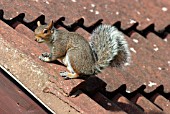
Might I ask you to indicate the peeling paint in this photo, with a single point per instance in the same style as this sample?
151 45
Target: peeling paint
133 50
91 10
96 12
148 19
156 49
165 40
137 12
92 5
132 21
84 7
117 13
151 84
164 9
127 91
135 40
73 0
159 68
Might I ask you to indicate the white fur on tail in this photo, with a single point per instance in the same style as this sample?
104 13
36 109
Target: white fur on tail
109 46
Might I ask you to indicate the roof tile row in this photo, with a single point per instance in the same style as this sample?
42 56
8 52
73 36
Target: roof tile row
150 57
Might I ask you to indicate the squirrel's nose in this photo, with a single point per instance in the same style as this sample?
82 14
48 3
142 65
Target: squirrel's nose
35 39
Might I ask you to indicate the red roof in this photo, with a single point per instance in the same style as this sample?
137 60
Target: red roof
142 84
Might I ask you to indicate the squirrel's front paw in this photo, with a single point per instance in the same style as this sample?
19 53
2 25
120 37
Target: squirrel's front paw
64 74
45 54
45 59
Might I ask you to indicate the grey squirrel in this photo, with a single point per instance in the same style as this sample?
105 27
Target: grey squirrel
107 47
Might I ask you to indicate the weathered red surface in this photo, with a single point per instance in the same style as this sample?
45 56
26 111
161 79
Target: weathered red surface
150 64
14 100
146 105
126 104
163 103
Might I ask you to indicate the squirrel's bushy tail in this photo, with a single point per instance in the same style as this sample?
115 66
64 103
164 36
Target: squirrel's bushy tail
109 46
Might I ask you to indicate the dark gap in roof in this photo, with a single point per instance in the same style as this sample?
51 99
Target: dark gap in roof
161 92
133 96
94 88
129 31
73 27
93 26
80 23
33 25
117 25
147 30
167 29
14 21
151 28
151 96
59 23
110 95
134 93
93 85
90 85
1 14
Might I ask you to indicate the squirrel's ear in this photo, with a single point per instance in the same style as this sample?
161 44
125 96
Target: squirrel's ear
38 23
50 25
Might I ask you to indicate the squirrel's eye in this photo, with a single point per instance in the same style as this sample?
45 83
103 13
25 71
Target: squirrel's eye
45 31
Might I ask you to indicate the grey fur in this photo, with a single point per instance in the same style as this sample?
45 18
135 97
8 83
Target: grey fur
109 47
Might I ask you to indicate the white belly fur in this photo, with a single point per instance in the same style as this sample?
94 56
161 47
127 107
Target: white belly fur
66 62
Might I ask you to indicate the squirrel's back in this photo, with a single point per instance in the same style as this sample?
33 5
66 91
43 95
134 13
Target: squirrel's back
109 46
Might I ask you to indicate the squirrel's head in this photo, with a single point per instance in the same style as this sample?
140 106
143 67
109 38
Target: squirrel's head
43 32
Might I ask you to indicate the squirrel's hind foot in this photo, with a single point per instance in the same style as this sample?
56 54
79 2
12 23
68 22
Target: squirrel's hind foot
68 75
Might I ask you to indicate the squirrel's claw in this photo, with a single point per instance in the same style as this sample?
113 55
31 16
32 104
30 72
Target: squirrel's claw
44 59
64 74
45 54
